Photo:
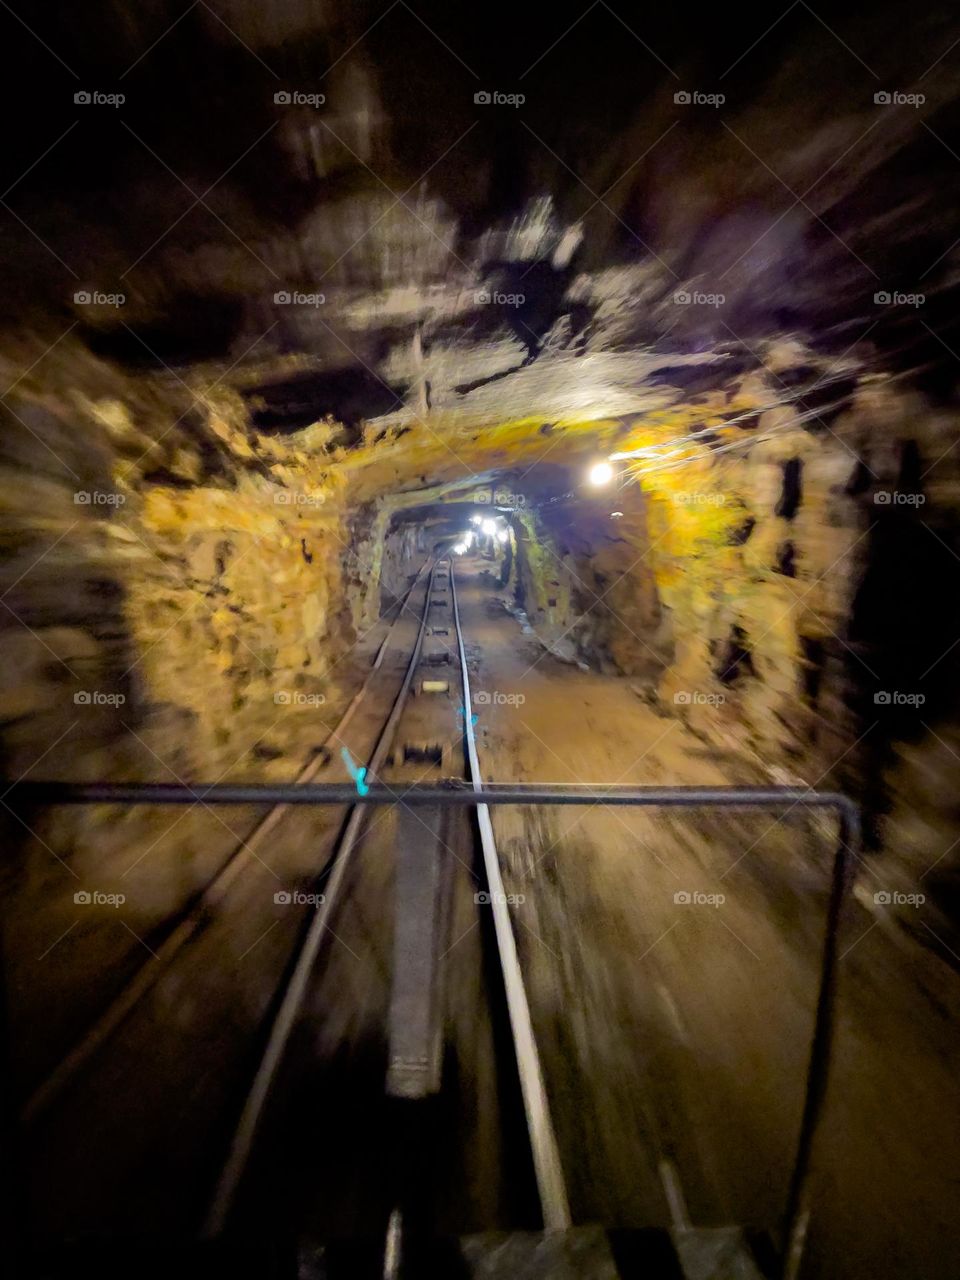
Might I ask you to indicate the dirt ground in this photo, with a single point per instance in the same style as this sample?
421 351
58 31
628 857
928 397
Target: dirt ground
675 1034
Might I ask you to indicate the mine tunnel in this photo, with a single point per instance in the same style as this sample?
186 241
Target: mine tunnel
479 641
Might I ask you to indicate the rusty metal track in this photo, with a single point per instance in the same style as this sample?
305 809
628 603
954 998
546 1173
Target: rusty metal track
554 1202
293 995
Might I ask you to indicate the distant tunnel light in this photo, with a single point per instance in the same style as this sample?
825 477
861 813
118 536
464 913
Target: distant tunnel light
460 548
489 527
502 535
600 473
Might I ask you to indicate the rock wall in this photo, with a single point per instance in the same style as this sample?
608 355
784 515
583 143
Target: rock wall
584 581
789 584
175 607
170 575
406 549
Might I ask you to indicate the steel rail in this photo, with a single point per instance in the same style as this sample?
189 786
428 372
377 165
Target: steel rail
554 1202
285 1018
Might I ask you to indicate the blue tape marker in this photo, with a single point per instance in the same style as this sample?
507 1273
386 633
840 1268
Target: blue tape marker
462 711
357 772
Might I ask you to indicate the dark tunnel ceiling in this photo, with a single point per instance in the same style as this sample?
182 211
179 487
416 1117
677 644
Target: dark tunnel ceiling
350 394
200 198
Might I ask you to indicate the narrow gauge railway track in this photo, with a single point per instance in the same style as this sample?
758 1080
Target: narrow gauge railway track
437 733
204 907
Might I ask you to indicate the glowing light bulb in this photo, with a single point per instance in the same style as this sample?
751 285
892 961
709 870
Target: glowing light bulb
475 519
600 473
489 527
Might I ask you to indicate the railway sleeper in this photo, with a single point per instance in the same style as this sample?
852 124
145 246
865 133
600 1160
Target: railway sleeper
424 753
434 686
441 658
